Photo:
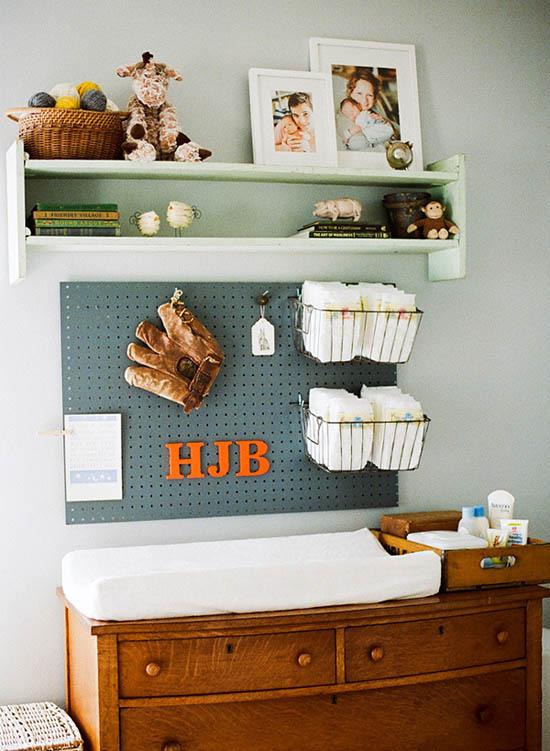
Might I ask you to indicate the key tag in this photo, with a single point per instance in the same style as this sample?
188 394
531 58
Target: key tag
263 331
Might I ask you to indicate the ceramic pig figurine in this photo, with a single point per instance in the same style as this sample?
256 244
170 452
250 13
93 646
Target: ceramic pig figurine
338 208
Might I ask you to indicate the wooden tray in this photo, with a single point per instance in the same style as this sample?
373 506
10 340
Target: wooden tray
461 569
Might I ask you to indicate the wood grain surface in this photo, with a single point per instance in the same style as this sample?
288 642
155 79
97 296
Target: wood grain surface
472 714
436 644
233 663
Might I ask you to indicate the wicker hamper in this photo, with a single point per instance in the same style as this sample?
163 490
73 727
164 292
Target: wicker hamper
52 133
37 727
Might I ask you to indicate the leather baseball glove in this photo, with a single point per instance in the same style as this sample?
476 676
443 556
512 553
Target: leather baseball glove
181 364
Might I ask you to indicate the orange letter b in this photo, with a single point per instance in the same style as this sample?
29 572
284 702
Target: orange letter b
246 457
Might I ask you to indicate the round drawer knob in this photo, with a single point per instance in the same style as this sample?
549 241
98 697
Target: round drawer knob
304 659
153 669
502 637
172 746
485 715
376 654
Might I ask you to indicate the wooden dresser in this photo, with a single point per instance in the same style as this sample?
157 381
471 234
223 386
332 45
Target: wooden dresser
454 672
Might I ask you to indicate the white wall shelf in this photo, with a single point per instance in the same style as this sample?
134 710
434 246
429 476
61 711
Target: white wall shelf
121 170
446 179
234 245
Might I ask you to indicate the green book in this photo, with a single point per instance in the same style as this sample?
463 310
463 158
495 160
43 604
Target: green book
77 231
113 215
75 207
75 223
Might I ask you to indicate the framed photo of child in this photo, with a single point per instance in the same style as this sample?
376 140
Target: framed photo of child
374 98
291 114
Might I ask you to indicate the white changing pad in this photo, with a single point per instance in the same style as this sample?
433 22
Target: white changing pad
239 576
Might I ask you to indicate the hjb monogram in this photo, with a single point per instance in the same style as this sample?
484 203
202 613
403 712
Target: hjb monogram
252 460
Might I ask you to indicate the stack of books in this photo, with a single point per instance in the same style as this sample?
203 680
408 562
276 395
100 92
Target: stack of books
343 230
76 220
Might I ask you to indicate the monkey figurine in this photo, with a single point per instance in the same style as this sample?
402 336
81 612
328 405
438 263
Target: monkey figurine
434 226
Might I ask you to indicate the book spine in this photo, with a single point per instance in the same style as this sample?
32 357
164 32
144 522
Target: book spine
78 231
75 223
352 235
75 207
76 215
350 227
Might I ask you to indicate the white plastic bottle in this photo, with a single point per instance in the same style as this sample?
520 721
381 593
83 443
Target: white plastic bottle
467 525
473 522
482 521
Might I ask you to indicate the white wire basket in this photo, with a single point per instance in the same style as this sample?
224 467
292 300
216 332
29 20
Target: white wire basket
363 444
346 335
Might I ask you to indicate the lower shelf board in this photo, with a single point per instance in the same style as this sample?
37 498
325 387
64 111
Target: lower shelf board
237 245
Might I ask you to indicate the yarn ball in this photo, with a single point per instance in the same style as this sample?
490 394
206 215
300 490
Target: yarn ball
65 89
94 99
85 86
41 99
67 103
111 106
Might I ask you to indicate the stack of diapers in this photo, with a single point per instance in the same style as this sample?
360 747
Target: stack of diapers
344 432
240 576
399 427
340 430
369 320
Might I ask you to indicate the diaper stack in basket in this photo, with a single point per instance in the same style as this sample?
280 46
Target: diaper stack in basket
383 426
343 321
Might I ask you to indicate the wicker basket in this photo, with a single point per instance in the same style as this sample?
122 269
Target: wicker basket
37 727
55 133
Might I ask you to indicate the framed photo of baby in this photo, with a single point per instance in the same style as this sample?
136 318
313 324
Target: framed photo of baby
291 114
374 98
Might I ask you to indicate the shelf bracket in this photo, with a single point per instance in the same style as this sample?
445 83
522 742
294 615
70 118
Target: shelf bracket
450 263
15 188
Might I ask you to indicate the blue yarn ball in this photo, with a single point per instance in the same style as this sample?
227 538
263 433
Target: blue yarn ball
94 99
41 99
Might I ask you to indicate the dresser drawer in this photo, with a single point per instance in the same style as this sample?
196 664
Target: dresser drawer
437 644
164 667
485 713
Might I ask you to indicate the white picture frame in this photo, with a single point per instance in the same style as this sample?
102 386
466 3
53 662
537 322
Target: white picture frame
360 135
291 118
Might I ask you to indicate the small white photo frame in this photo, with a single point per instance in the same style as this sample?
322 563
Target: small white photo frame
93 457
291 118
374 98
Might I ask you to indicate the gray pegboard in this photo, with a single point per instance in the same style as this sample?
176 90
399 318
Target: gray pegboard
251 398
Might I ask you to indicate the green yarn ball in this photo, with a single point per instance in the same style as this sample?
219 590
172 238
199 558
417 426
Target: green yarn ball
94 99
41 99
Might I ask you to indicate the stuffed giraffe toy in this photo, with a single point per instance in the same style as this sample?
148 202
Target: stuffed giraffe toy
152 128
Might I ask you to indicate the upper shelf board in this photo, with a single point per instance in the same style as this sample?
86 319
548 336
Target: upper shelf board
120 170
